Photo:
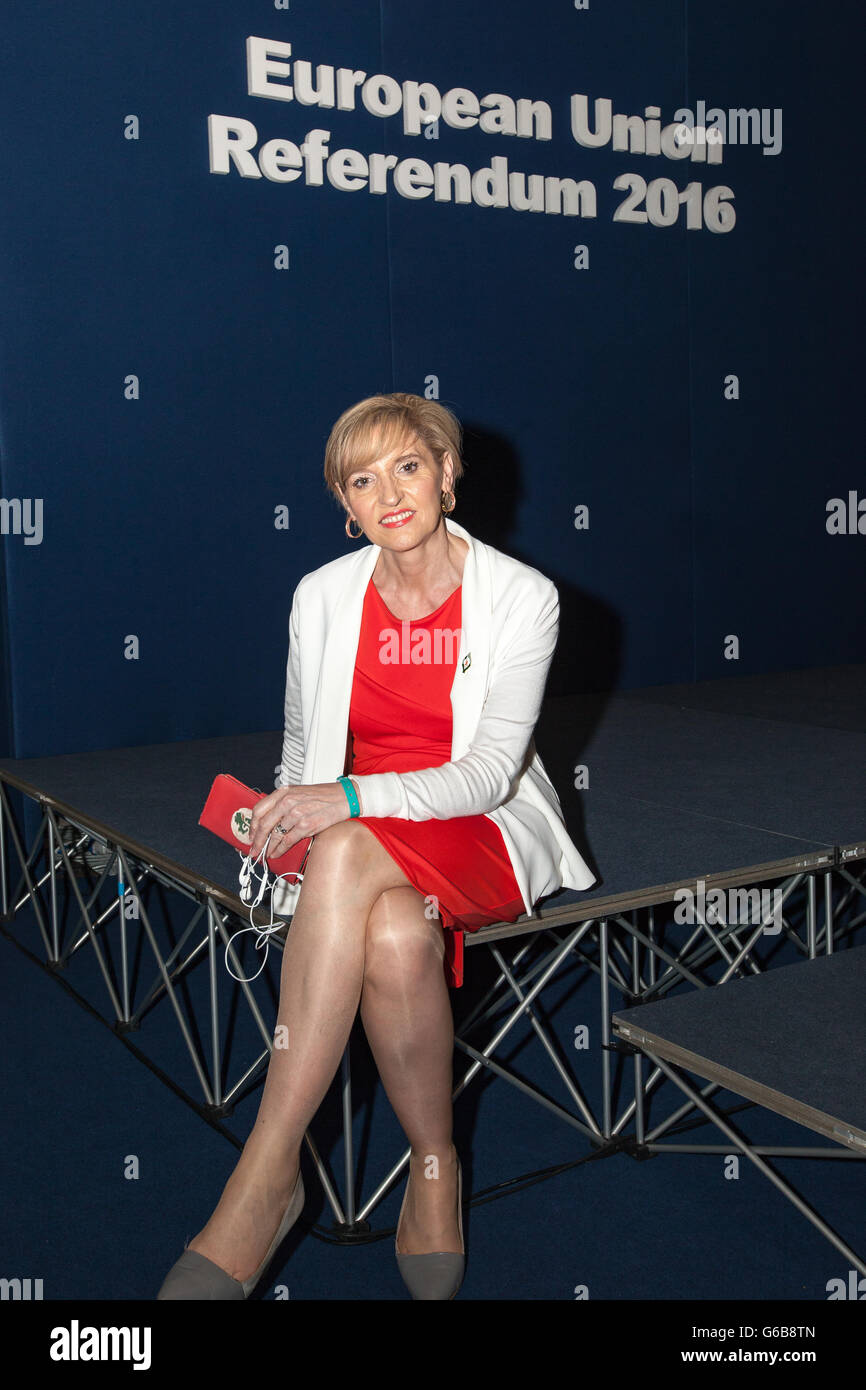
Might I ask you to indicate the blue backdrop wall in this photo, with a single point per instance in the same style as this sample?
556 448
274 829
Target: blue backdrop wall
175 342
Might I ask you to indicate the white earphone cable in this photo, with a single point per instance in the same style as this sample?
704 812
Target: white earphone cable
263 934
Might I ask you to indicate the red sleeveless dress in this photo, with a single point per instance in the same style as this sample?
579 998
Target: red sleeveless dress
401 721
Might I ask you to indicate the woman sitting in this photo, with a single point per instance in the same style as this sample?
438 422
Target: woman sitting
415 676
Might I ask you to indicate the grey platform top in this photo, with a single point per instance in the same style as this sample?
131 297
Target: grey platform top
795 1035
675 793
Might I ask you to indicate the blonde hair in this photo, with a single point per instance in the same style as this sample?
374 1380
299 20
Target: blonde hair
377 425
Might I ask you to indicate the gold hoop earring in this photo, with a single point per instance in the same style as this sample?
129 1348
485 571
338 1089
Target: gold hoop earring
351 534
445 509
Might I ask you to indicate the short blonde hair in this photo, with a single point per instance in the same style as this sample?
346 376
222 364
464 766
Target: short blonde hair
377 425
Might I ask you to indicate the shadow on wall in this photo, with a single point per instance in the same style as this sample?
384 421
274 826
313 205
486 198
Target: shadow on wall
491 495
586 666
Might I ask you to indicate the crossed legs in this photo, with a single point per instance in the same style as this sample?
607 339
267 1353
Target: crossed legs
359 936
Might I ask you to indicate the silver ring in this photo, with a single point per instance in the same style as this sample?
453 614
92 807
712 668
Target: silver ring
282 829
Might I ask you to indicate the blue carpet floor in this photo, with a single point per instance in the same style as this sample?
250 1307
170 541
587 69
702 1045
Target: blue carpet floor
79 1107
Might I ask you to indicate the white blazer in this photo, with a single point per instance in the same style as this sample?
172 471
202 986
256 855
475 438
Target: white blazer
509 628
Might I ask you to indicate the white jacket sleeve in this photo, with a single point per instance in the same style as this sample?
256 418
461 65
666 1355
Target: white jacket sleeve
292 760
486 776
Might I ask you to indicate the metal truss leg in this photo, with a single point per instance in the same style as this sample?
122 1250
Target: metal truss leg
4 887
348 1151
484 1058
568 1081
31 892
605 1028
811 925
744 1148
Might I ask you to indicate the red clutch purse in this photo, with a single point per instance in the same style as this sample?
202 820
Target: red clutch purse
228 813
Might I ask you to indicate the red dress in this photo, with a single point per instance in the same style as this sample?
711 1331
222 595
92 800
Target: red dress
400 718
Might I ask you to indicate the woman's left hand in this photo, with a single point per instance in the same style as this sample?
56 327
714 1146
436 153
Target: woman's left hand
302 810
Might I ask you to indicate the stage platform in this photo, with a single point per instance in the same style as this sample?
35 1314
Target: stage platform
685 782
683 786
792 1040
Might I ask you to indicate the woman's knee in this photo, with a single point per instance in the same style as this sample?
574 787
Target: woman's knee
347 844
402 941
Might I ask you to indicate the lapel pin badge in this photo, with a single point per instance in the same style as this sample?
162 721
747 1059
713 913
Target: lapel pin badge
467 661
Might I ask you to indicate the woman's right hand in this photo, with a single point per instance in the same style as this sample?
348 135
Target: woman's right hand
301 810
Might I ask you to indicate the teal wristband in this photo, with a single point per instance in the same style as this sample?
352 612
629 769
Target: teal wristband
351 795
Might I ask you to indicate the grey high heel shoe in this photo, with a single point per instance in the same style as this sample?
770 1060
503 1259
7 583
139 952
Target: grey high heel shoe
194 1276
437 1275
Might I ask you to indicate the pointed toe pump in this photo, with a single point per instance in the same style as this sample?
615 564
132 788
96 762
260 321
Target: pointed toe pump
194 1276
437 1275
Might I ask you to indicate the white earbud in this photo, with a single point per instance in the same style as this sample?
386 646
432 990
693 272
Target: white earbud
263 934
